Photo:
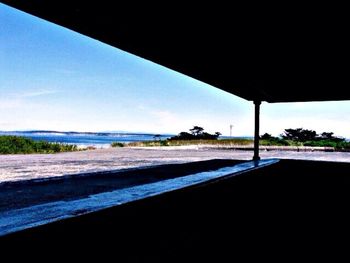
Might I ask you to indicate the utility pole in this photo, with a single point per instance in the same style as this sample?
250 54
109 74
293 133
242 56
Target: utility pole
231 130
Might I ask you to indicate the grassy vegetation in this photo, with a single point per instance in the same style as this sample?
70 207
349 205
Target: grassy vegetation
225 142
148 144
117 144
23 145
337 145
276 142
340 146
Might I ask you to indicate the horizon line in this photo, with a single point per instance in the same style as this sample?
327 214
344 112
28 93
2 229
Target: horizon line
106 132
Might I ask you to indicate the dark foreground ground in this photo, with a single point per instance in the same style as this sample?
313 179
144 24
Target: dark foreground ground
291 210
14 195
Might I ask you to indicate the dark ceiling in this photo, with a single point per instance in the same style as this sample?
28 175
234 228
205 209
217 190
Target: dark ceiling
268 53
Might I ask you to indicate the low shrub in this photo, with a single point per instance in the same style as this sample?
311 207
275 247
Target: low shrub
117 144
24 145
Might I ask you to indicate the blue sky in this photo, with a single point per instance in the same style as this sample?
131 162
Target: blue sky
56 79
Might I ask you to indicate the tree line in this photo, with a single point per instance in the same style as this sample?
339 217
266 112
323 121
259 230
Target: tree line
305 137
196 133
290 137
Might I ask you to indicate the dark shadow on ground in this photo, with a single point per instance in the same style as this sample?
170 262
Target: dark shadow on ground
291 210
22 194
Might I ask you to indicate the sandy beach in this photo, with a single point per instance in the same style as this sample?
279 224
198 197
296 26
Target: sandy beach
24 167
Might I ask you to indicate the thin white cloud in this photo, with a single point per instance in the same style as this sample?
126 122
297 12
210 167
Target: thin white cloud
21 100
37 93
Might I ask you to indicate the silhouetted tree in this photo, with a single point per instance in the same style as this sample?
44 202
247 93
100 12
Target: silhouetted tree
196 130
183 136
186 135
217 134
299 134
266 136
327 135
197 133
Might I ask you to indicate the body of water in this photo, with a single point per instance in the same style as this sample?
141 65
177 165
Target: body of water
99 140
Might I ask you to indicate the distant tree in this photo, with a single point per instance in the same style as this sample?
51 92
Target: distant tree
329 137
299 134
196 130
186 135
266 136
218 134
308 135
197 133
183 136
206 136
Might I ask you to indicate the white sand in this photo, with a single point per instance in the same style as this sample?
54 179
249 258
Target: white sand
21 167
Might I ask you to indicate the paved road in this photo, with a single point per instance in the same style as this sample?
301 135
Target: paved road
21 167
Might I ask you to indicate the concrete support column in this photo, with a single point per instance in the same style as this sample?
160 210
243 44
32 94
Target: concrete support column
256 156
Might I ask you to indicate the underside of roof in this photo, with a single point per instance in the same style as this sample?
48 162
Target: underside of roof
284 56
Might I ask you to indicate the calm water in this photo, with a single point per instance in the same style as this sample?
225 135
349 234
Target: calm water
82 139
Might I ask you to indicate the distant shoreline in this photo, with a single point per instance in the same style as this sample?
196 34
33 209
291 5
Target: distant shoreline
83 140
40 132
103 140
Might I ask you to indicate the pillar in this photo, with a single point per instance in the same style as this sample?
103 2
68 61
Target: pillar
256 156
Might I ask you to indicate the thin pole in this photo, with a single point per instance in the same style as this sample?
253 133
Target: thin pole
256 156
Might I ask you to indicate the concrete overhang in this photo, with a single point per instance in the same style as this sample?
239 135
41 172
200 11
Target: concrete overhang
257 54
